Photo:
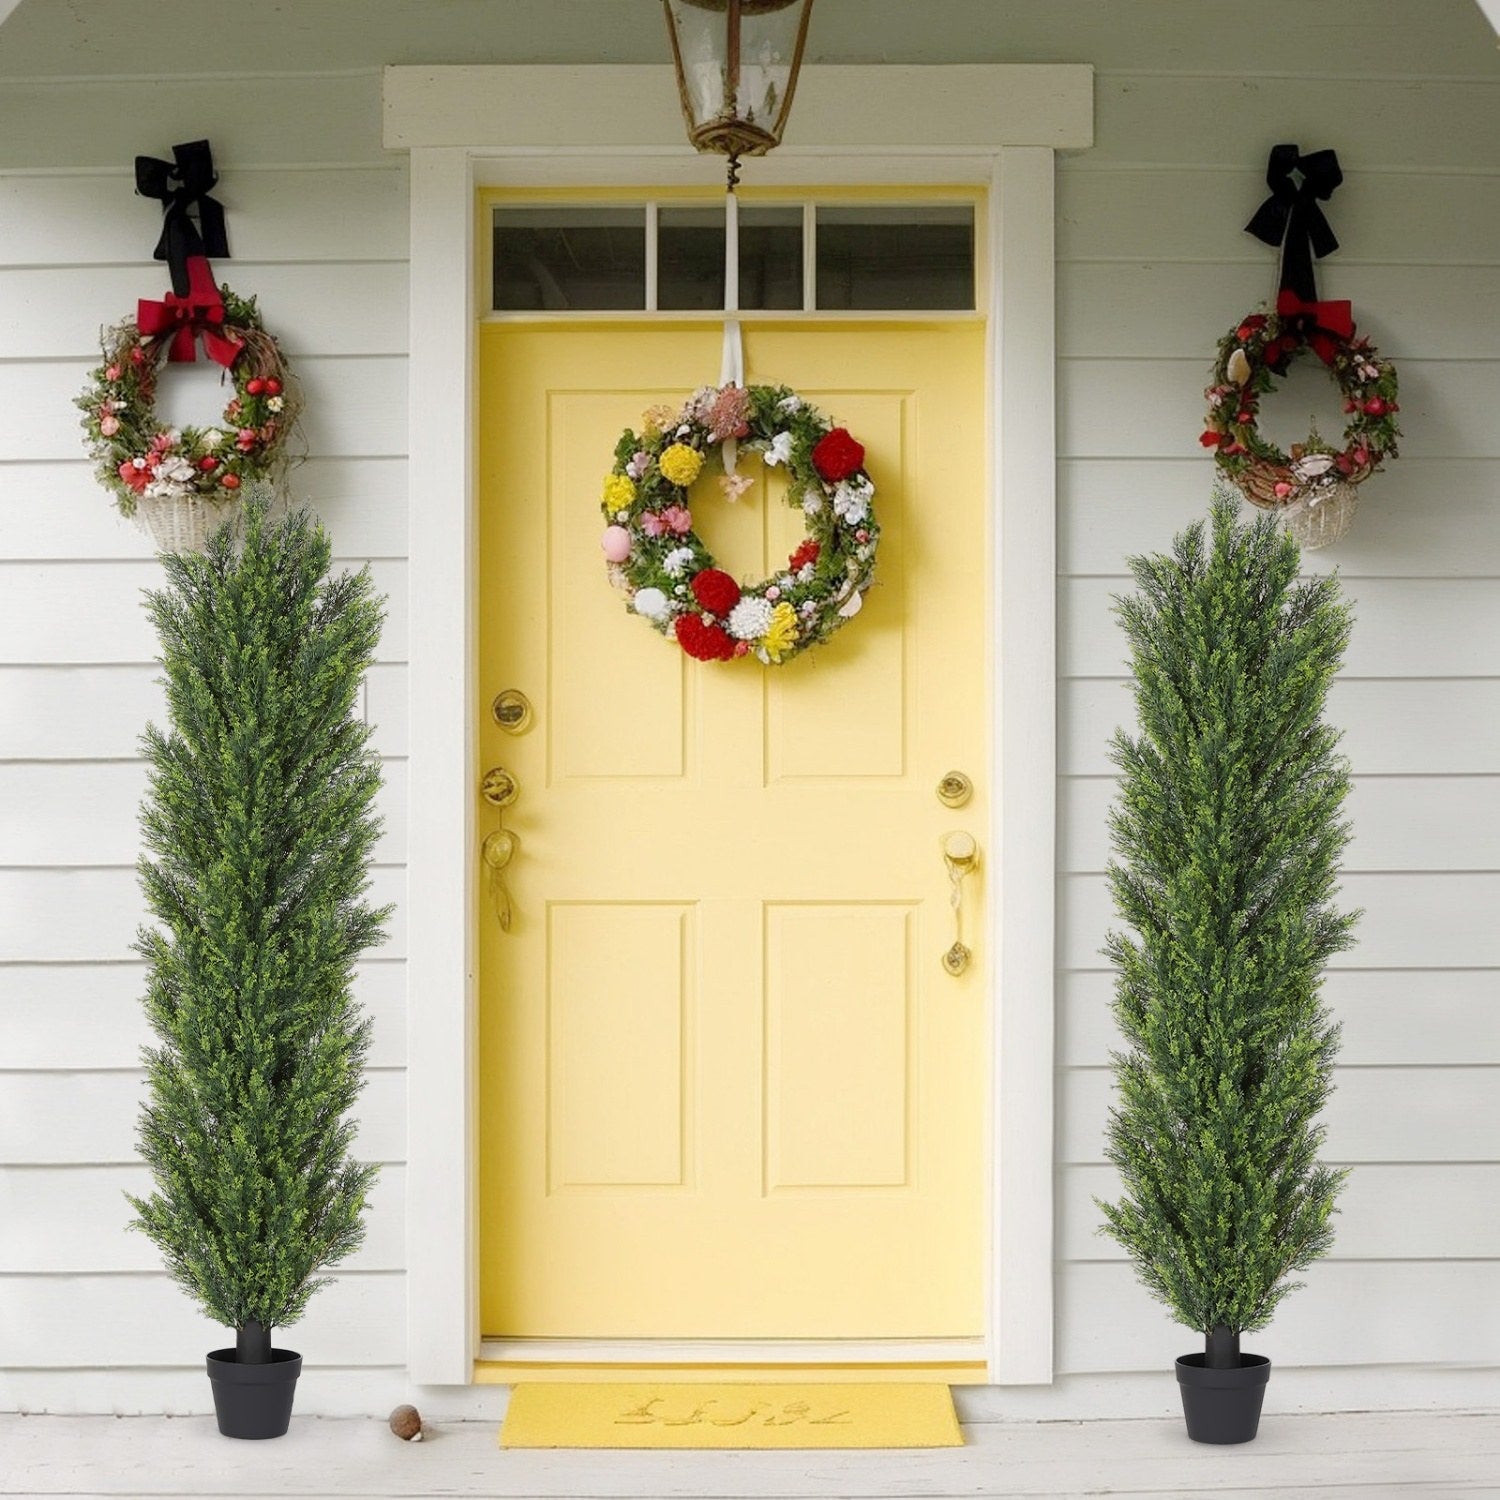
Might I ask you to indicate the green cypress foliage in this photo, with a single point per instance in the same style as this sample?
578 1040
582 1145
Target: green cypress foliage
258 827
1228 832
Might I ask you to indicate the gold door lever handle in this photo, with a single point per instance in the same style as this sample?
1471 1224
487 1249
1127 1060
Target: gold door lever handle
961 856
500 789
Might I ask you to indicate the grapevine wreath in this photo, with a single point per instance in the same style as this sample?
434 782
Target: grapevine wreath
670 578
140 459
1251 356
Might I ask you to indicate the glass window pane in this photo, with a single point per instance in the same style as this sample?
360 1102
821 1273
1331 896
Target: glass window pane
917 257
566 259
690 257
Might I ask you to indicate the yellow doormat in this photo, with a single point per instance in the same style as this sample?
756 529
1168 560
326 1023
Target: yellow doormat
730 1416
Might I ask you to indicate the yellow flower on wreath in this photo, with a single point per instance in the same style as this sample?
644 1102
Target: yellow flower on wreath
781 633
619 491
680 464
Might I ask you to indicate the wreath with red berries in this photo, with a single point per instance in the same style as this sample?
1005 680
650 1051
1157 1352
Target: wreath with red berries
141 459
670 578
1261 348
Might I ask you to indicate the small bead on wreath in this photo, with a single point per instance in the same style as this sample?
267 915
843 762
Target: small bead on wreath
671 579
142 461
1251 356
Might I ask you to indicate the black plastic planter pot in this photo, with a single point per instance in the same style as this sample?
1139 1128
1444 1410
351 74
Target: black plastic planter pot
254 1401
1222 1406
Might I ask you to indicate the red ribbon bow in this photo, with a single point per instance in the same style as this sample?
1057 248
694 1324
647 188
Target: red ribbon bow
1325 325
185 319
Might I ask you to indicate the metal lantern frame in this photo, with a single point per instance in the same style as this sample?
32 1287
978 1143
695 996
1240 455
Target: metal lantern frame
734 132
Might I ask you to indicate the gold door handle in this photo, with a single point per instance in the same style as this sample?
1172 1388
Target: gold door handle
960 856
500 789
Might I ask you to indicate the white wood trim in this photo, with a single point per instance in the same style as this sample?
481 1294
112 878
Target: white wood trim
607 108
1491 9
532 126
440 1195
1024 459
735 1351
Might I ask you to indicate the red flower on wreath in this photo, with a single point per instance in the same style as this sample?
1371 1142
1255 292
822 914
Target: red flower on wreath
807 553
136 475
715 590
837 455
703 642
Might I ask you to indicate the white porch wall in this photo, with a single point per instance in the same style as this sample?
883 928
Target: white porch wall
1152 269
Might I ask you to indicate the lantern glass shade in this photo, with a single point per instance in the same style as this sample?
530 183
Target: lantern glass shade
737 63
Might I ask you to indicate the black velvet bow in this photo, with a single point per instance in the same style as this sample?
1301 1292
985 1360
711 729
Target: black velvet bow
1291 217
181 184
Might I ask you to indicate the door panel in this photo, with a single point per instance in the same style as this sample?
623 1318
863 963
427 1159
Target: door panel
726 1088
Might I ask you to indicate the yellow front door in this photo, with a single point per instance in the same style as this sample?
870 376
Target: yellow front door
727 1089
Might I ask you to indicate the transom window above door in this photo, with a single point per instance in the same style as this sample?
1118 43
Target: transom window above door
668 256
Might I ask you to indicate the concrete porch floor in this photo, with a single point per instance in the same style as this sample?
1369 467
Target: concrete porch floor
1367 1455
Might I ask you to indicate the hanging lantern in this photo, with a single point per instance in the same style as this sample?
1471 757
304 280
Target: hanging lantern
737 63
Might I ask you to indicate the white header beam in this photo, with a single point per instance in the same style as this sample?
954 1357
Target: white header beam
530 108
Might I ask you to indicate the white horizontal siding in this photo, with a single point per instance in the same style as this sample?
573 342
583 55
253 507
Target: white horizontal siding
1153 266
61 1017
1395 1017
144 1319
67 1118
56 512
60 914
76 596
1375 1312
356 405
75 1222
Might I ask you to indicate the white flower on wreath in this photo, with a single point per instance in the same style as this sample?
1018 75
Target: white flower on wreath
812 502
750 619
780 451
677 561
789 404
172 479
650 602
1312 465
212 438
276 403
851 502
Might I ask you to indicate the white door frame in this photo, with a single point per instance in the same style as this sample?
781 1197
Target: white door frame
994 126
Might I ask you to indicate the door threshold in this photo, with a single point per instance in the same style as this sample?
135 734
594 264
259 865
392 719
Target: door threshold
945 1361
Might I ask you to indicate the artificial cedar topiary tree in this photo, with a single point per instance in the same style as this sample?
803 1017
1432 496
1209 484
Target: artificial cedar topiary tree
259 829
1228 832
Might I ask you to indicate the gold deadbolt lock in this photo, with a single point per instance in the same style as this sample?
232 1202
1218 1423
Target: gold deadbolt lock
499 788
511 710
954 789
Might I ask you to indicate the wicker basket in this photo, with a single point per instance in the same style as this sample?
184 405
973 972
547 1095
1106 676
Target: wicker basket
1319 525
181 525
185 525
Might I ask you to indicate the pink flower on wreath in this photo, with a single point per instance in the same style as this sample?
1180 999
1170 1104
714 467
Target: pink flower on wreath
112 372
109 424
728 414
678 519
247 439
652 524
